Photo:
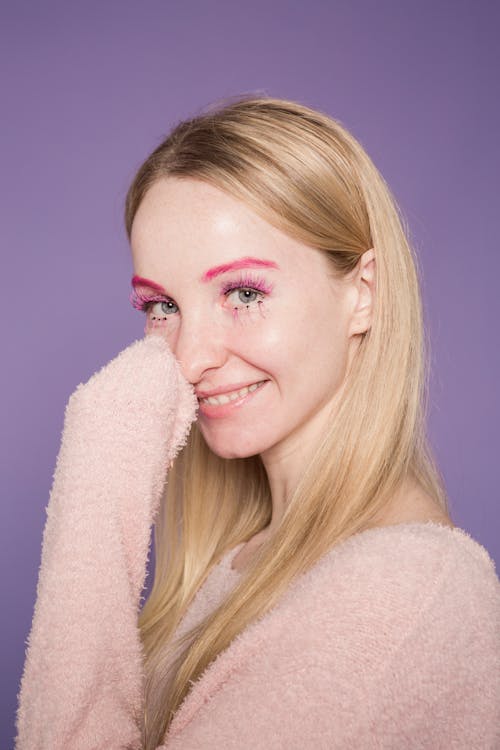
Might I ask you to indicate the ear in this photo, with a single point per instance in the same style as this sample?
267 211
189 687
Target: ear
363 283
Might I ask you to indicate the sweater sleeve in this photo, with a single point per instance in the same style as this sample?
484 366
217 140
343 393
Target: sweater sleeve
82 684
382 664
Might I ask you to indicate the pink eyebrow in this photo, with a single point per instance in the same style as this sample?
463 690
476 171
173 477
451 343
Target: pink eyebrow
246 262
139 281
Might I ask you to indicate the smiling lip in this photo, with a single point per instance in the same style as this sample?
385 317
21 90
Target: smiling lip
218 411
225 389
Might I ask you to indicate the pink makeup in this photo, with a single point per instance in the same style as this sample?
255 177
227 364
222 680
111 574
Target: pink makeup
246 262
253 288
139 281
145 291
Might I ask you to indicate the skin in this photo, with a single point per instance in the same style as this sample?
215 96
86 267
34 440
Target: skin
301 339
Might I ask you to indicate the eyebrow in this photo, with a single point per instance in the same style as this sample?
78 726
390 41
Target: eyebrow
246 262
211 273
140 281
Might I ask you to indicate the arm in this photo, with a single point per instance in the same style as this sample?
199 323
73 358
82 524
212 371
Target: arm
82 681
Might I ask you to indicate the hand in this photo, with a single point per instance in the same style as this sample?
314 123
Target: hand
139 406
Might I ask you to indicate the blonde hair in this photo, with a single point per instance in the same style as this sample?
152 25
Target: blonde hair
304 173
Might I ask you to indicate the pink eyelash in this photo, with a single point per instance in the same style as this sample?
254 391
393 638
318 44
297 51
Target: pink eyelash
142 302
247 281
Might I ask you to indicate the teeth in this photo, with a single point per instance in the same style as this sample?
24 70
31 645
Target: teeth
225 398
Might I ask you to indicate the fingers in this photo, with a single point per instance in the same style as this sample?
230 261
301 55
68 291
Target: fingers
145 367
142 389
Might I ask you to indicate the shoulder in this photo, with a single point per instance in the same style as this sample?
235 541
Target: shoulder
406 559
376 588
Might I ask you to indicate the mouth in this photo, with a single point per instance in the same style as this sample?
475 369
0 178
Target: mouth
224 403
225 398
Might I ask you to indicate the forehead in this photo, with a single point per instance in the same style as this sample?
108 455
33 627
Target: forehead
187 226
191 212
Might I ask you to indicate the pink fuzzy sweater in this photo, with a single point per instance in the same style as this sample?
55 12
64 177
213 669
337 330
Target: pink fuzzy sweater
391 641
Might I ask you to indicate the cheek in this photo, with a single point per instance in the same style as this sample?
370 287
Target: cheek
159 326
258 336
287 336
306 346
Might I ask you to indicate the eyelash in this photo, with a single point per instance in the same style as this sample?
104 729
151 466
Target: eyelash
144 303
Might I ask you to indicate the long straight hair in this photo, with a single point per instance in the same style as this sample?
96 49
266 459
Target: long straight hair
305 174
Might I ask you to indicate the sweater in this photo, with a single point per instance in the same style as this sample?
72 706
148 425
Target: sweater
391 640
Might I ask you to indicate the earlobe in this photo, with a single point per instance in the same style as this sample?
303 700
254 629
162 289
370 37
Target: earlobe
365 287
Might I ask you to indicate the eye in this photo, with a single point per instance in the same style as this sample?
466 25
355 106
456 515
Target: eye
146 304
160 309
245 295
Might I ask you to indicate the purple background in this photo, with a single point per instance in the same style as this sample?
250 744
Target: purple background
91 87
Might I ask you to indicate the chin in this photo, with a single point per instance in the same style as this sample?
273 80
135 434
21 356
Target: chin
232 452
234 448
235 444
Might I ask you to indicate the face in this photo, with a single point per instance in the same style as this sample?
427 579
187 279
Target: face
242 304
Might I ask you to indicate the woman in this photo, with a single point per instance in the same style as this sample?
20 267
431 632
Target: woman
310 590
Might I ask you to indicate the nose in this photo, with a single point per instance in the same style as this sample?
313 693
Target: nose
200 346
